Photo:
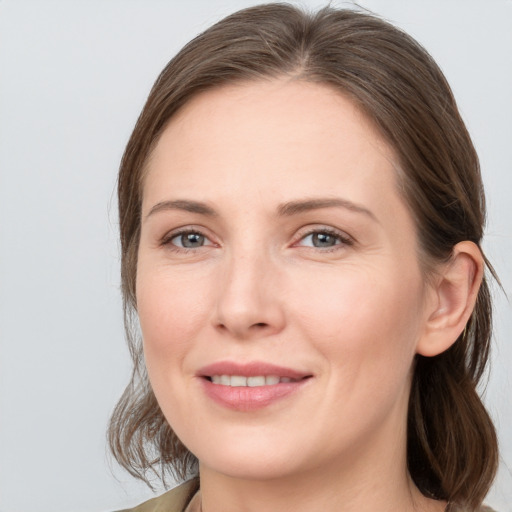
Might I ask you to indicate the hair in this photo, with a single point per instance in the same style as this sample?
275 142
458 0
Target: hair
451 442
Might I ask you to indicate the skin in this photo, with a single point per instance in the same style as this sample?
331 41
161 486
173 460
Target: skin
352 313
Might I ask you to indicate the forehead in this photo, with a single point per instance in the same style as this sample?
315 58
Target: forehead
294 108
277 137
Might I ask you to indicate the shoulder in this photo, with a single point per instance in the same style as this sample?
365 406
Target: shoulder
174 500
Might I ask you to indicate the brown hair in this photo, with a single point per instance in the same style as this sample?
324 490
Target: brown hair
452 448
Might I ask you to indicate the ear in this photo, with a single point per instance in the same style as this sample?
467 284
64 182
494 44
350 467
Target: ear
453 292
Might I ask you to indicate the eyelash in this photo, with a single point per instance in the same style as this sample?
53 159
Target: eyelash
343 239
167 239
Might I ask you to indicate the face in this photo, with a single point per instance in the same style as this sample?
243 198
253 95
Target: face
278 285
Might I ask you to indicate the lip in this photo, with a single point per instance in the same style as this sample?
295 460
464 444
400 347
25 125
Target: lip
251 369
250 398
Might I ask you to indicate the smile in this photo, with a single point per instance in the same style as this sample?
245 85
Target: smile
250 386
252 382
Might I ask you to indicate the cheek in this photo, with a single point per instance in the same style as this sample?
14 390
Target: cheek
365 323
171 310
365 330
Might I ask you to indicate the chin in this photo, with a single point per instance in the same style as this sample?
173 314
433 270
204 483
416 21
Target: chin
250 461
261 470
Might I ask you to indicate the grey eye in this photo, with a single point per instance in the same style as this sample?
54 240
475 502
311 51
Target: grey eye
324 240
190 240
321 240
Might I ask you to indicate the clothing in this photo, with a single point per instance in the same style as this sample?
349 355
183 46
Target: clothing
175 500
187 498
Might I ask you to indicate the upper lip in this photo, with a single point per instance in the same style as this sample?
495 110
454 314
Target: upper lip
251 369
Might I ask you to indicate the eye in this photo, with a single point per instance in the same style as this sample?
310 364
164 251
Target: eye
324 239
187 240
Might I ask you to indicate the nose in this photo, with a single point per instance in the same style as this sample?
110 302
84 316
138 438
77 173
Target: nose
249 301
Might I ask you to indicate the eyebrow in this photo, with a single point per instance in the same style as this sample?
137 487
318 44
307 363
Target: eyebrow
305 205
184 205
285 210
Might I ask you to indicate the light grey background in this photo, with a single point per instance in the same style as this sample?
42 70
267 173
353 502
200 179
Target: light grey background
73 77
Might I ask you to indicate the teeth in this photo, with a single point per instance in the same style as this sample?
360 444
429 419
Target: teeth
237 381
255 381
241 381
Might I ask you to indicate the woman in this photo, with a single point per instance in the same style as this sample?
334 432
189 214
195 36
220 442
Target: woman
301 215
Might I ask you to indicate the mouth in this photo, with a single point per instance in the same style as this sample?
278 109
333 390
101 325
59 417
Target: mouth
238 381
253 374
246 387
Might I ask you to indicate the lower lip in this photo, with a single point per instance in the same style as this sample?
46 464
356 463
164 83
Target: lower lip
245 398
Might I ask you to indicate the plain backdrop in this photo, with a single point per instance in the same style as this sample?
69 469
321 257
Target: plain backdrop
74 75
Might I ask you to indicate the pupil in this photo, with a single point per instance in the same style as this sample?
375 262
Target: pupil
323 240
192 240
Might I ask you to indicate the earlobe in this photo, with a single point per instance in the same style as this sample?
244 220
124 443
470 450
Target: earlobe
455 291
